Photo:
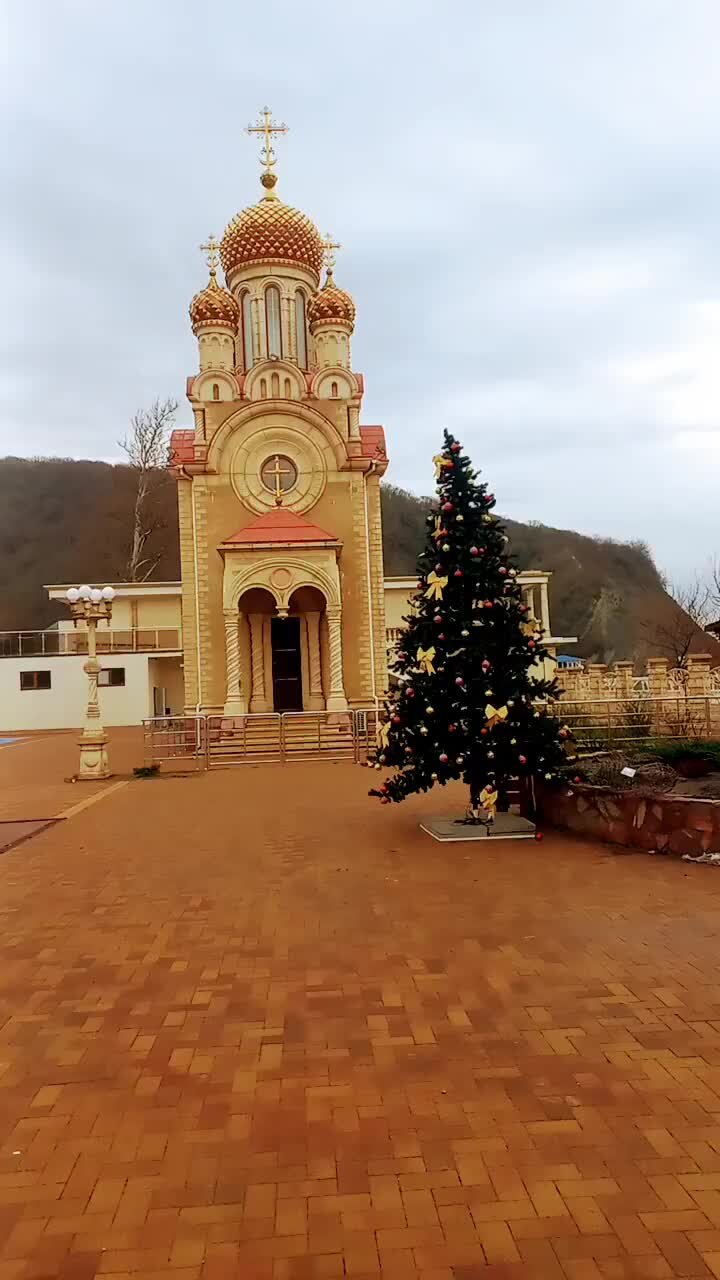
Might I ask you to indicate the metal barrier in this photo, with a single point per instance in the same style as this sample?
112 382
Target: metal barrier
604 722
175 738
217 741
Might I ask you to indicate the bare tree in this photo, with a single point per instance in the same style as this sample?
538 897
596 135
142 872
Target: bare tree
688 611
147 449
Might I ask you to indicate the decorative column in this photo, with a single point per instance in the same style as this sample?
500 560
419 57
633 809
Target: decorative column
316 701
235 703
258 697
336 700
544 610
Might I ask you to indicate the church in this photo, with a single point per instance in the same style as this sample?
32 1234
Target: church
279 480
283 605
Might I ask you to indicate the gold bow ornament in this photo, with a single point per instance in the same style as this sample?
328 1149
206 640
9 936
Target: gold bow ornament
489 800
425 658
382 735
495 715
436 586
439 531
441 464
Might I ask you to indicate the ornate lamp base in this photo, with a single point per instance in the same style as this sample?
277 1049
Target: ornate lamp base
93 757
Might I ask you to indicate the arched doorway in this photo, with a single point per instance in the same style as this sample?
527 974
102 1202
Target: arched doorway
284 651
307 611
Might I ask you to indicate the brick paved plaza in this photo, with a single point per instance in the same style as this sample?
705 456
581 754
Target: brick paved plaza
255 1025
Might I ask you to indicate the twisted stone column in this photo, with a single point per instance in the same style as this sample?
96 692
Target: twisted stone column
316 701
235 703
336 696
258 698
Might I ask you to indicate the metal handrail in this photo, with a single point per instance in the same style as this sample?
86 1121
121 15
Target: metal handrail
53 643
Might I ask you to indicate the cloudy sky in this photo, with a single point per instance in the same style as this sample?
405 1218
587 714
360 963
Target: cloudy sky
528 196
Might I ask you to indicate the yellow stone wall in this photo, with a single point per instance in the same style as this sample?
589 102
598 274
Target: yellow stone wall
229 496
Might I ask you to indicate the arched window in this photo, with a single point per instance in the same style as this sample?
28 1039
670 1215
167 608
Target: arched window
288 389
216 391
301 329
274 385
334 389
272 321
247 337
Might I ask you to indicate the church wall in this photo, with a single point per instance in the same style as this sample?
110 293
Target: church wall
187 570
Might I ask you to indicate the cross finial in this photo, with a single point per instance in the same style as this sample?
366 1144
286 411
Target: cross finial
211 248
329 247
269 129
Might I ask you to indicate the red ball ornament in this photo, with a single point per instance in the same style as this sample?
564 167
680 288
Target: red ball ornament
531 644
474 551
410 693
502 570
438 619
384 788
458 573
483 732
485 664
452 728
459 680
488 604
443 758
396 720
577 781
522 759
441 636
491 497
448 506
538 835
456 447
384 799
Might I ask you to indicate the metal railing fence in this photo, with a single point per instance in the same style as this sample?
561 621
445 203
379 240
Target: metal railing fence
52 643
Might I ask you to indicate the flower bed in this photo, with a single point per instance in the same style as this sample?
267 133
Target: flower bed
659 822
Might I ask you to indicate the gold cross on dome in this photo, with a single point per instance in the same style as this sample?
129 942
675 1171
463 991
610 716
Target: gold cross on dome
211 248
267 127
329 247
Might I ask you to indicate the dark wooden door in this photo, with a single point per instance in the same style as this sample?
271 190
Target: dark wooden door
286 665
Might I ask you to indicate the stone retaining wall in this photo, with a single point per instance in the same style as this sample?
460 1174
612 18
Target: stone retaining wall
668 824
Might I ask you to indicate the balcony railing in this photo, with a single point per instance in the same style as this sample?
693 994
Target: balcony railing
31 644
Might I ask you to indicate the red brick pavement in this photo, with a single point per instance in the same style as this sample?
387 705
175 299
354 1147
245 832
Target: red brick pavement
255 1025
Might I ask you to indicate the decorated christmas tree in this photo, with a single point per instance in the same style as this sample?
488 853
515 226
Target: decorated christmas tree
470 700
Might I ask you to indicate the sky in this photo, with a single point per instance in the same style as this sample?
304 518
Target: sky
527 193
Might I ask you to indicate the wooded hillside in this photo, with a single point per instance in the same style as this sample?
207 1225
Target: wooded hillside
68 521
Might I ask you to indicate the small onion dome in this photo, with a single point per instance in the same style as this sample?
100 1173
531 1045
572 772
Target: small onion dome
214 306
331 306
271 233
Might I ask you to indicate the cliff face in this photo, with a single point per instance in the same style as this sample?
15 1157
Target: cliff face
66 521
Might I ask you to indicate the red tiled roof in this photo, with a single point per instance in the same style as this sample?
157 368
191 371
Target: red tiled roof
280 525
373 442
182 447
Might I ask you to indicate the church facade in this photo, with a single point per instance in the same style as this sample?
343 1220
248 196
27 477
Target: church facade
278 481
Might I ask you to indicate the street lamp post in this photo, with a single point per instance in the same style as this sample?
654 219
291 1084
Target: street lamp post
90 605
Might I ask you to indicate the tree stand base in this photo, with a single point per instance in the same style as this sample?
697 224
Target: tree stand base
507 826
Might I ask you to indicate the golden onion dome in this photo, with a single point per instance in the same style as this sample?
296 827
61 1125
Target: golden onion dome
214 306
331 305
271 233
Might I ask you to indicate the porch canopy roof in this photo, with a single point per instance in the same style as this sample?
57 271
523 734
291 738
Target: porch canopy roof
280 527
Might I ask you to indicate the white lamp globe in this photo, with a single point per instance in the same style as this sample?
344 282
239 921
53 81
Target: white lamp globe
96 595
84 592
108 593
72 595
